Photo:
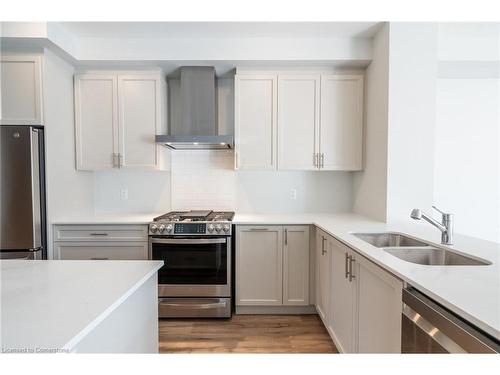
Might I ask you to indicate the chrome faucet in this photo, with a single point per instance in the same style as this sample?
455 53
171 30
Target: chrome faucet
446 225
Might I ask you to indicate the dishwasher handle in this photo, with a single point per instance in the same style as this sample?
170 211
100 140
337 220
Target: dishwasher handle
453 333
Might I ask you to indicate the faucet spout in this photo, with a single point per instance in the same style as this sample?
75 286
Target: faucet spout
437 224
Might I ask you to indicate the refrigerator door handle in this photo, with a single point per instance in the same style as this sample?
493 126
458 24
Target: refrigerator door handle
35 181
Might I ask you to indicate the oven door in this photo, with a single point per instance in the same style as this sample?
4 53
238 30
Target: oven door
194 267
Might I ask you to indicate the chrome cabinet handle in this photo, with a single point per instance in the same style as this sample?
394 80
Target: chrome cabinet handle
194 306
322 160
98 258
98 234
286 236
258 229
323 251
351 275
346 265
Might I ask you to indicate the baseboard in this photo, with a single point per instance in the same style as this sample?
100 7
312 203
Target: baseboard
278 310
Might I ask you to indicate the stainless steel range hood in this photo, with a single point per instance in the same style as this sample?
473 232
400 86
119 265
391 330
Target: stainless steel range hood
192 107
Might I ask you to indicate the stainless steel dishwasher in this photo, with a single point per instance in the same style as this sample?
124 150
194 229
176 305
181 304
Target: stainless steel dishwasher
427 327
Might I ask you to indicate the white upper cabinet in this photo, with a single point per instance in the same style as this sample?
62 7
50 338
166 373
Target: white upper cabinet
117 117
96 121
298 121
139 116
341 131
21 78
255 121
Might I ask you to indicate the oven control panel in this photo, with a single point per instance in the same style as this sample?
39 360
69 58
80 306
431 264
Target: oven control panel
191 228
184 229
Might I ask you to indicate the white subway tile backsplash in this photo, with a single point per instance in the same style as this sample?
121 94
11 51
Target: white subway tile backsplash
203 180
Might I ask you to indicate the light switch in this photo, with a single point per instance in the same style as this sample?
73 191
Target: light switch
293 194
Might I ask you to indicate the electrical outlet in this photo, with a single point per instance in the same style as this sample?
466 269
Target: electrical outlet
124 194
293 194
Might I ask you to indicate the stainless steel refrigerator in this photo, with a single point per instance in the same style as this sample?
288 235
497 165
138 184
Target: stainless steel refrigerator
22 192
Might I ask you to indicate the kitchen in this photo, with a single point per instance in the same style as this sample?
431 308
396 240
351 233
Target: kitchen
250 188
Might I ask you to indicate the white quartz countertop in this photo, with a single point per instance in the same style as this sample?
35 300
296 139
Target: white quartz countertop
124 218
53 304
472 292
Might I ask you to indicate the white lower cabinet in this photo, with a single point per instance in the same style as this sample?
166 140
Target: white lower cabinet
342 319
272 265
100 242
296 265
323 271
379 309
359 302
101 251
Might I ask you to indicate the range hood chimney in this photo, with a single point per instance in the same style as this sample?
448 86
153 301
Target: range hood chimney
192 121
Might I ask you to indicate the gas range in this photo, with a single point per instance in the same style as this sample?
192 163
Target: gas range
195 280
192 223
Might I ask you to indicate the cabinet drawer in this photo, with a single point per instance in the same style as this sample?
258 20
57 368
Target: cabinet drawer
100 233
101 251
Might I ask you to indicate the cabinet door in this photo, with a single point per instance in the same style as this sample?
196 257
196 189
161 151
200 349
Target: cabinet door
255 122
343 303
259 264
322 276
341 130
296 265
101 250
21 95
139 116
379 309
96 121
298 120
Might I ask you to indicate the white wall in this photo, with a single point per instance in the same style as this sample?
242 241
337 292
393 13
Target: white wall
68 191
370 185
148 191
412 102
467 155
207 180
467 134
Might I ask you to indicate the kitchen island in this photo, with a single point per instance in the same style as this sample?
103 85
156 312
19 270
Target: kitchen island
79 306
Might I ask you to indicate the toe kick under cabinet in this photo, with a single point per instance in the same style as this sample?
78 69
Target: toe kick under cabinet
100 242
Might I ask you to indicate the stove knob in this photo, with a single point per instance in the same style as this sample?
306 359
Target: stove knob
169 228
218 228
226 228
161 228
153 228
210 228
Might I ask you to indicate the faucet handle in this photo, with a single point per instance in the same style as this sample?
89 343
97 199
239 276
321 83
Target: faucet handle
438 210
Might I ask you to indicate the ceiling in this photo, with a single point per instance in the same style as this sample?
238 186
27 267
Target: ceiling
222 29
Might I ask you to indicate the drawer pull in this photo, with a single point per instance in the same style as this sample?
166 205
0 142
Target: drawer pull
98 234
259 229
97 258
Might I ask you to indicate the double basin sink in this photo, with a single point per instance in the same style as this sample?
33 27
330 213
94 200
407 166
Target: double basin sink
416 251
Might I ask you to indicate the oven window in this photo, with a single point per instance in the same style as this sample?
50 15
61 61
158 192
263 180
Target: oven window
191 263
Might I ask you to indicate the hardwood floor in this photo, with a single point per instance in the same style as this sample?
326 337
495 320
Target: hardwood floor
246 334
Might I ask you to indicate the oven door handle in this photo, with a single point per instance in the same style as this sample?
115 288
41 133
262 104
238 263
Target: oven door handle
194 306
188 241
